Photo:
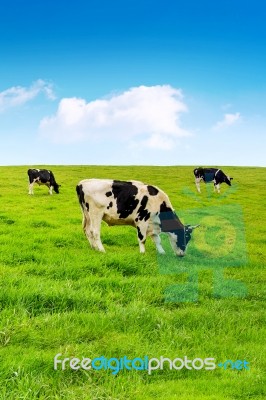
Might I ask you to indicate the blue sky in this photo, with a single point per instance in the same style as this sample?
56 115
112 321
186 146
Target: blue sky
133 82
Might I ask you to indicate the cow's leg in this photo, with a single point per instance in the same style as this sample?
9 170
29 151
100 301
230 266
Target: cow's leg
50 187
142 234
197 182
217 187
86 225
154 230
95 229
157 240
173 242
31 188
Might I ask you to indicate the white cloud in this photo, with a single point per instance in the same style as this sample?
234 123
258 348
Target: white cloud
154 141
18 95
228 120
150 114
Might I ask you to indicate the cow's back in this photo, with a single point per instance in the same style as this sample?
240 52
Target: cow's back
123 200
95 190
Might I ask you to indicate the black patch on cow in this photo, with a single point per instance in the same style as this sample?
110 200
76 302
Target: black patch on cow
170 222
208 176
81 197
143 213
110 205
153 191
183 237
125 195
136 219
140 236
164 208
108 194
80 193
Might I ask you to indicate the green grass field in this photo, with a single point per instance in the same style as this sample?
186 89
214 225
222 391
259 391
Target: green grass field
59 296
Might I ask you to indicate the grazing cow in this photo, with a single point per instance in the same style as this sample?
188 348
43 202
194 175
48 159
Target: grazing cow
42 177
211 175
145 207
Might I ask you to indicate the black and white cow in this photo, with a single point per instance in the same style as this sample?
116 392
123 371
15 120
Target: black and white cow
214 175
42 177
145 207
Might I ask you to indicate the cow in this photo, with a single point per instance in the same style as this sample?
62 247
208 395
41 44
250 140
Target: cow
145 207
214 175
42 177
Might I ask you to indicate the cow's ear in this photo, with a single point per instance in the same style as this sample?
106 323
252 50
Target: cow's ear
191 227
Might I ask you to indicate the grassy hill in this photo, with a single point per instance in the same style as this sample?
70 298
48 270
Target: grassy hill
59 296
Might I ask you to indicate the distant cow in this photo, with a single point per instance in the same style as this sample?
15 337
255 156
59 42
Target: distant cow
145 207
211 175
42 177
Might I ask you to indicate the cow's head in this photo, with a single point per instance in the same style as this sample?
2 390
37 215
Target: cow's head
227 180
56 188
180 239
179 234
